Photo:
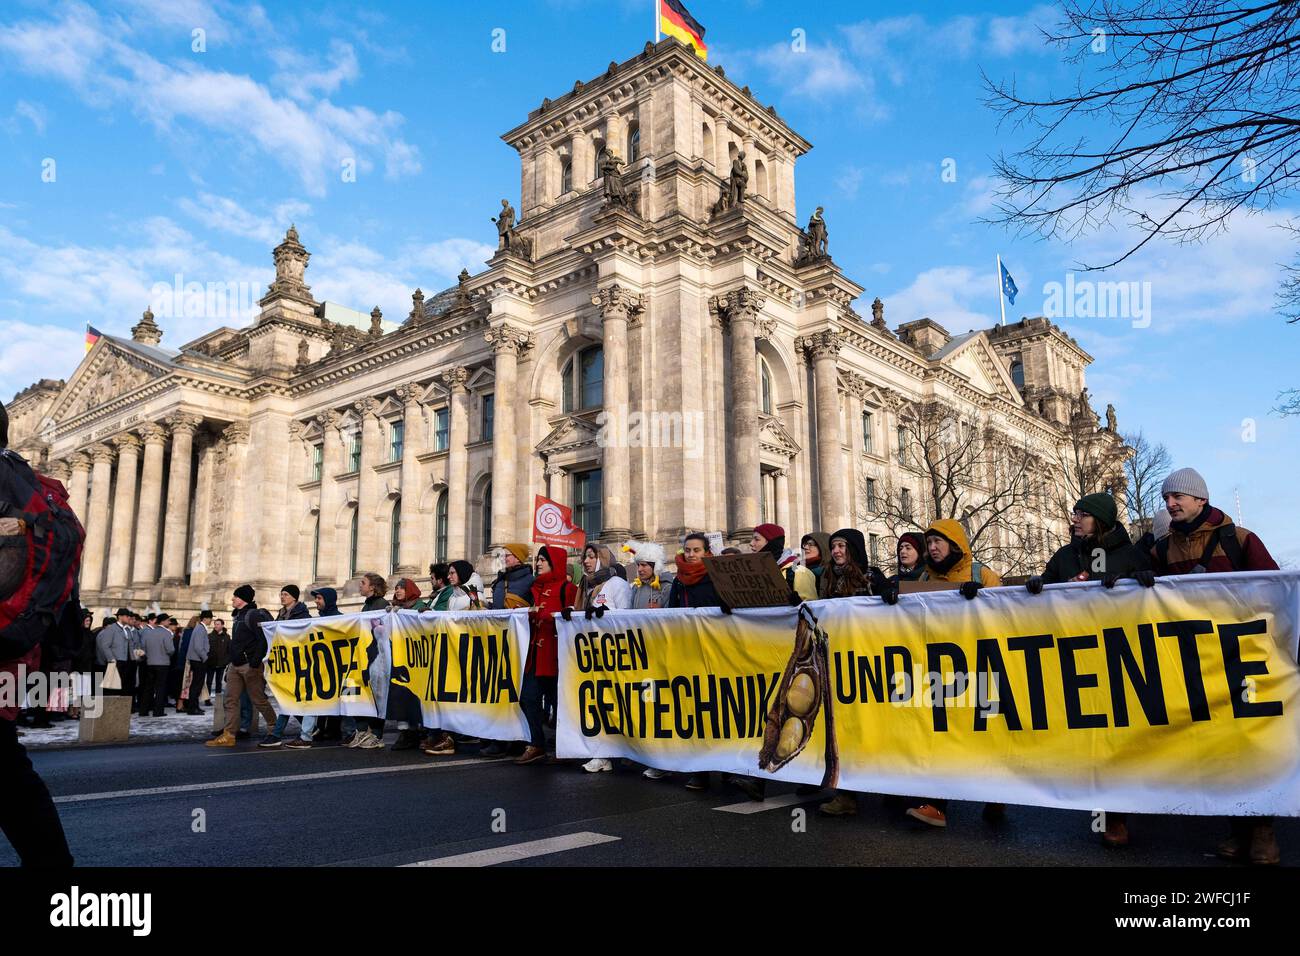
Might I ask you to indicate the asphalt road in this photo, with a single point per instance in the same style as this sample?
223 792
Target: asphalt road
332 806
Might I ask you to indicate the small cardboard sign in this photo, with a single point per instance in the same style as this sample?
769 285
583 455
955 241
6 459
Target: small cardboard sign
916 587
748 580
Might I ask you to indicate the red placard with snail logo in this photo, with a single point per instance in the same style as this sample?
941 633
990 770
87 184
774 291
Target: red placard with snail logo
553 524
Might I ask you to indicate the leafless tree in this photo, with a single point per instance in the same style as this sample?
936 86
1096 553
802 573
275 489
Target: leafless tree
1145 470
958 468
1184 112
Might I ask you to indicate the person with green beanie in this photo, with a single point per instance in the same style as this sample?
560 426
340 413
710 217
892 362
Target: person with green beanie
1099 548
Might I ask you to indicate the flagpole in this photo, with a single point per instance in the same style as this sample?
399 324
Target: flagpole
656 21
1002 297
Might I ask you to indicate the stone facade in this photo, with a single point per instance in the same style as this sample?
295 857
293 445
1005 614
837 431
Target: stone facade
696 361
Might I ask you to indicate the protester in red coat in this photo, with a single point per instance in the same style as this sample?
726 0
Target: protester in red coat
552 592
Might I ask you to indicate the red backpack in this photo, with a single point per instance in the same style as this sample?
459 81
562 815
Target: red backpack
45 608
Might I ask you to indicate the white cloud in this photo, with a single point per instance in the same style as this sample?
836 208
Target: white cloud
310 138
820 71
959 298
301 76
33 113
223 214
31 352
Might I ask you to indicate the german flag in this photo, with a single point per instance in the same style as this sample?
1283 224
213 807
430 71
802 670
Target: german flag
676 21
92 336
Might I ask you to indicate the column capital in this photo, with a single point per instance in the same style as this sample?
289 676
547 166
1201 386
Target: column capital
124 442
456 379
820 344
368 408
780 473
505 339
739 304
58 468
183 422
329 419
410 393
102 453
79 461
153 434
236 433
616 302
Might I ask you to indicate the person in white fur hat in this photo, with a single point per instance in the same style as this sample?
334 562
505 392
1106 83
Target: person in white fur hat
651 584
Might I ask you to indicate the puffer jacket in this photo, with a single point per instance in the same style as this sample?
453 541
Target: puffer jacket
1075 561
962 569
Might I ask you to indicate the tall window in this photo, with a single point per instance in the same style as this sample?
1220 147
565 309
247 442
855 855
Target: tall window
440 529
867 431
873 548
352 545
488 412
586 502
487 518
396 436
315 550
584 380
566 175
394 534
596 146
902 443
441 429
634 143
764 386
905 505
317 462
354 451
708 145
872 503
1018 372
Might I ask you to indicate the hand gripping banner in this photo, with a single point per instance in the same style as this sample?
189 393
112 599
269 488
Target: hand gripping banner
1182 698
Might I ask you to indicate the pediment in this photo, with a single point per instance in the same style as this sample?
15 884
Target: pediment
978 363
570 434
774 437
106 373
482 379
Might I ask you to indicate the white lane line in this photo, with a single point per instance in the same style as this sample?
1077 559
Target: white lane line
521 851
260 781
771 803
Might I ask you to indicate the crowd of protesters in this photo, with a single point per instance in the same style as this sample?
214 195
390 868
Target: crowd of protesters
162 663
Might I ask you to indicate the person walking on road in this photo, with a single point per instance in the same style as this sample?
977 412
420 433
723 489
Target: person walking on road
247 652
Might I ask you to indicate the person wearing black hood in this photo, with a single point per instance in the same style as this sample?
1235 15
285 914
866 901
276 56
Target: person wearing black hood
330 728
327 602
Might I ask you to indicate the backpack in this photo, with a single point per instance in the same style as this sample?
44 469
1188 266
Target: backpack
46 607
1225 536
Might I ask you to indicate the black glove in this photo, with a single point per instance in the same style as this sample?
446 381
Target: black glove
969 589
1108 579
566 613
588 613
794 599
724 607
889 594
600 611
1145 578
1034 585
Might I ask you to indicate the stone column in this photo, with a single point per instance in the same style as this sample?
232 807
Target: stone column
235 548
119 552
824 348
79 487
506 344
741 308
144 571
92 559
369 488
457 461
413 542
782 503
616 304
176 523
331 499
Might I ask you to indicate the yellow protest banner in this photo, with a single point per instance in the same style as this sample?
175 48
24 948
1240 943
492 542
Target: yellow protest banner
1182 698
465 668
329 665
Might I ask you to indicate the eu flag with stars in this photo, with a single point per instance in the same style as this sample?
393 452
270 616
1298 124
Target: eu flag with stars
1009 286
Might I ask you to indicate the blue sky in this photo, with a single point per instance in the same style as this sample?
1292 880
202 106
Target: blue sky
168 160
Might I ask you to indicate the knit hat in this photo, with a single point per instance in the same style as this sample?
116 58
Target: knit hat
771 532
289 589
1160 524
245 593
1185 481
1101 506
520 551
916 540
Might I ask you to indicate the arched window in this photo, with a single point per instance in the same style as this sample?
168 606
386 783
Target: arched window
394 534
633 143
584 380
566 400
566 175
708 145
1017 372
760 179
764 386
352 545
596 146
487 518
440 529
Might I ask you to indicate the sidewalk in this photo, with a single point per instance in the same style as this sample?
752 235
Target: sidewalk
143 730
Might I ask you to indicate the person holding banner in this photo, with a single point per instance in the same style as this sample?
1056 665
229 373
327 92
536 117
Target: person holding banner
369 733
816 547
468 585
692 588
910 567
650 587
513 585
601 584
1203 540
443 589
402 706
407 595
771 538
948 557
552 593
